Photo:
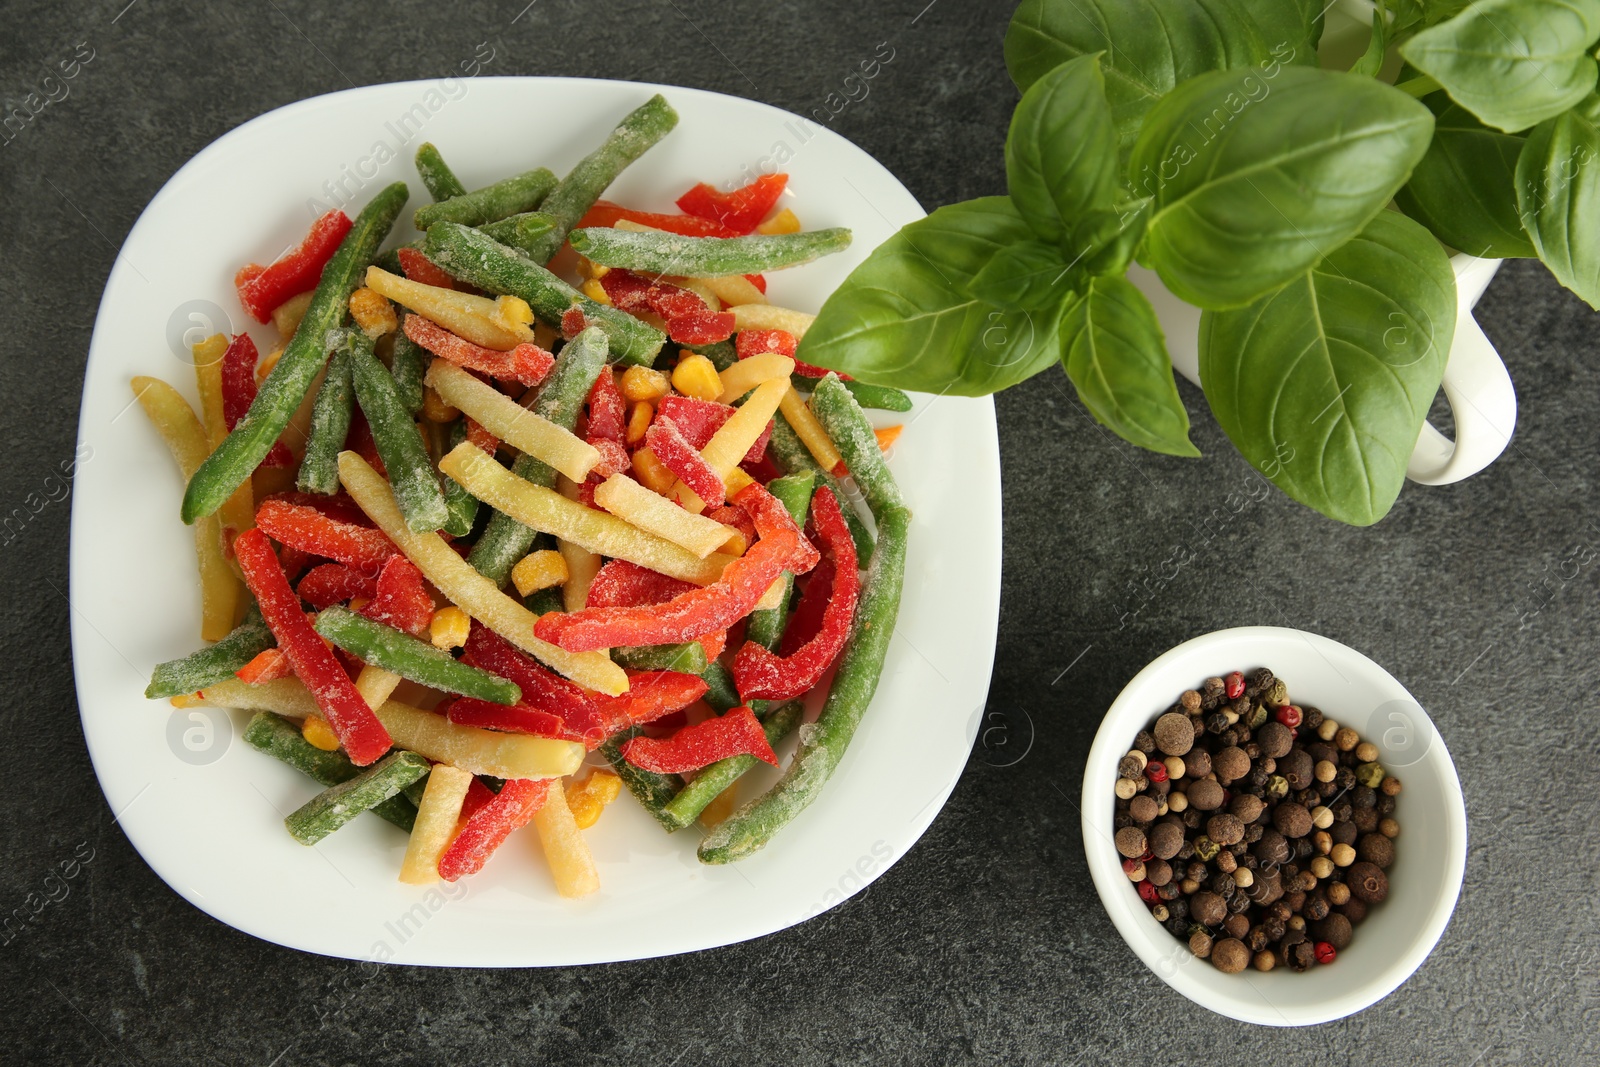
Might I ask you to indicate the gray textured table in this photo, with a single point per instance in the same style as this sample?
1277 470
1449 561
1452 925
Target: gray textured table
986 943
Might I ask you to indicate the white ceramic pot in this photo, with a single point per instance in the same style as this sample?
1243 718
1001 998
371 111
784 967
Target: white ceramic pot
1476 383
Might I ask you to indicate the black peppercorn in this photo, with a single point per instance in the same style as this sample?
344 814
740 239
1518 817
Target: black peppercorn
1301 957
1121 819
1256 939
1345 779
1310 718
1179 908
1238 903
1363 797
1216 722
1228 737
1365 819
1343 832
1192 817
1274 928
1316 907
1386 805
1197 871
1144 741
1303 848
1177 926
1186 852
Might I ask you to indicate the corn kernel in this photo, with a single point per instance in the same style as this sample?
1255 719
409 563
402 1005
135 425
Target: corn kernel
596 292
539 570
434 409
785 221
736 480
511 313
268 361
373 313
887 436
588 268
588 798
318 733
652 473
639 421
448 628
721 806
697 376
642 383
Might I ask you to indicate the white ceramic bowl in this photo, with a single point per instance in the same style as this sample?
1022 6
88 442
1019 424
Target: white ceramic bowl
1431 850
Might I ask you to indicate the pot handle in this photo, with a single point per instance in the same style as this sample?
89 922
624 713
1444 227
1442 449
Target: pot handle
1477 387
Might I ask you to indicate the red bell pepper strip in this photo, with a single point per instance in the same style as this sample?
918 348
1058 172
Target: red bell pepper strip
400 599
754 342
650 695
698 420
363 736
668 444
735 733
760 675
757 280
573 322
527 363
621 584
606 213
730 515
359 547
714 644
239 390
262 289
741 210
419 268
614 459
521 718
607 412
689 320
481 438
540 687
478 795
518 801
339 506
805 621
699 612
334 583
268 665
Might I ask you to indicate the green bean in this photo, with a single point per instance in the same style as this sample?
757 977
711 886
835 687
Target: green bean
721 693
560 399
823 744
461 505
544 601
881 397
705 257
331 412
860 664
722 354
399 442
509 196
582 186
384 646
214 663
765 625
281 740
437 177
653 791
522 232
792 456
338 804
475 257
714 778
689 657
841 416
243 450
408 362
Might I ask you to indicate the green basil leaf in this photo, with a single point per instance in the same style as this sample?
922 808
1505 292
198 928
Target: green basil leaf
1371 60
1295 23
1021 277
1113 350
1558 197
1323 385
906 317
1512 63
1061 152
1149 45
1255 178
1464 188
